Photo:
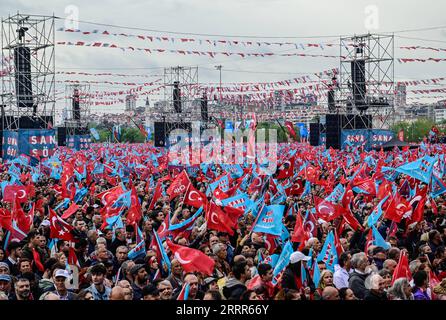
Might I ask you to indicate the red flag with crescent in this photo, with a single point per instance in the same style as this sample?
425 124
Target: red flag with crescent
59 229
191 259
195 198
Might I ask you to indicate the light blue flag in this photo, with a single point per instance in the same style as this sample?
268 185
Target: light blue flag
378 239
185 222
270 220
271 259
283 261
420 169
316 275
438 187
239 201
337 194
124 200
64 204
328 253
376 213
307 189
139 249
94 133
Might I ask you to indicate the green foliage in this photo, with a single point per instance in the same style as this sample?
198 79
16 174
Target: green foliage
415 131
132 135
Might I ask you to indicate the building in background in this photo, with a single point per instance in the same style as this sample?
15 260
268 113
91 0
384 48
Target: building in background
130 102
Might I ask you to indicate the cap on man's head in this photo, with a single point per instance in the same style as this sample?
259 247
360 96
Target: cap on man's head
98 269
45 223
136 268
5 277
61 273
298 256
4 265
209 280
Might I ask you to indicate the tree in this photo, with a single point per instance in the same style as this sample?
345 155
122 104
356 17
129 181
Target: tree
132 135
415 131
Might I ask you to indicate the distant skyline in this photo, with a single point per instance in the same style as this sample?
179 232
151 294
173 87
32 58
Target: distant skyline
273 18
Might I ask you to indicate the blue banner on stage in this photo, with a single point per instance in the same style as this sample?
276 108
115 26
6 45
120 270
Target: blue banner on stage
380 136
10 145
368 138
38 143
79 142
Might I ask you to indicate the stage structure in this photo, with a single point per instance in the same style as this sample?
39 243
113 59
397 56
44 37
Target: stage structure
27 86
182 94
77 108
366 79
28 91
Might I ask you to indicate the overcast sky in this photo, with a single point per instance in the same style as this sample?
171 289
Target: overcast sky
273 18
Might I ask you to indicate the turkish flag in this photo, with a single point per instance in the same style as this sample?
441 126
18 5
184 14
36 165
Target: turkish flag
299 234
384 190
195 198
24 221
13 191
163 230
397 208
402 268
350 219
290 128
417 214
156 195
287 169
134 214
327 210
59 229
218 220
348 197
108 197
256 185
219 194
367 185
191 259
296 189
178 186
70 211
5 219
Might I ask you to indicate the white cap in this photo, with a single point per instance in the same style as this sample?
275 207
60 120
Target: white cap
45 223
95 206
298 256
61 273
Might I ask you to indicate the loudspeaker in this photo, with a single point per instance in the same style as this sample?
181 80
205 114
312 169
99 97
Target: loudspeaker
331 100
23 84
358 85
204 108
314 134
160 134
75 105
61 136
333 131
176 97
163 129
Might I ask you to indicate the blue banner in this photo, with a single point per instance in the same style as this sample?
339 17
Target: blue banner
380 137
39 143
369 138
10 145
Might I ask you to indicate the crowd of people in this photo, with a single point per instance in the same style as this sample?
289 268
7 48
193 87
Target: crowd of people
118 222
